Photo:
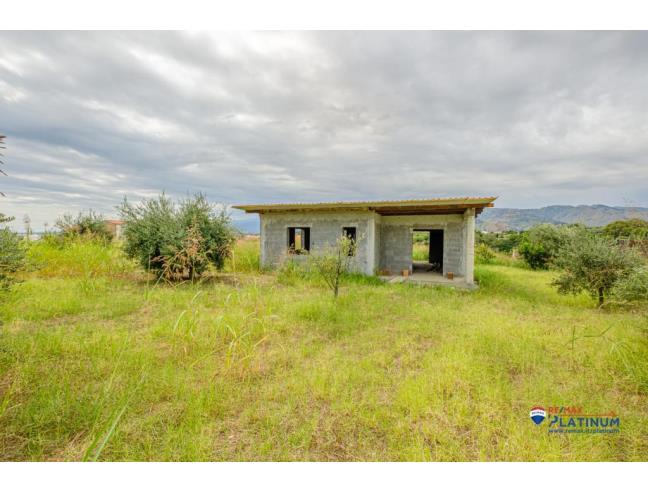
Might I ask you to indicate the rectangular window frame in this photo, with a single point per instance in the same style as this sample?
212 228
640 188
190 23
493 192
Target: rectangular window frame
304 237
352 233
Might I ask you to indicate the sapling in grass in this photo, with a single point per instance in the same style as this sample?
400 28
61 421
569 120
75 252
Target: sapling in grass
333 262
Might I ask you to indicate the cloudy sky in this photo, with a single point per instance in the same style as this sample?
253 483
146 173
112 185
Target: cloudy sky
536 118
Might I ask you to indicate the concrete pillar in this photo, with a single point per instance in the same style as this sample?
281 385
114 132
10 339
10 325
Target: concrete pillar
370 240
469 245
262 242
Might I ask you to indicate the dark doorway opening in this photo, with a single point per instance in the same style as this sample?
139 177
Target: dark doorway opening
427 250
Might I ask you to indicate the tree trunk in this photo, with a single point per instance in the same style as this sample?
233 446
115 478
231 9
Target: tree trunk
600 296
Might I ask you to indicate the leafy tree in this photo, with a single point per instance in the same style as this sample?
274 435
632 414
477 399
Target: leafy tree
87 224
177 240
594 264
540 244
630 229
12 257
332 263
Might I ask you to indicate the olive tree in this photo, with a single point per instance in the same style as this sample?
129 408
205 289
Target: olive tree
593 263
176 240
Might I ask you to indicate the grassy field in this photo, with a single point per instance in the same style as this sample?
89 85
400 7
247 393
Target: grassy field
420 251
97 362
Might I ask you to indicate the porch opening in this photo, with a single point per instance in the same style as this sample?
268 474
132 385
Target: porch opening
427 250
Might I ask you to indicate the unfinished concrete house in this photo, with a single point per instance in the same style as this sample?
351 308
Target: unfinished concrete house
383 232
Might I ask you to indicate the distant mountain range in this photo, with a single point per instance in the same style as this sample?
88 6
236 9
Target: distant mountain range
502 219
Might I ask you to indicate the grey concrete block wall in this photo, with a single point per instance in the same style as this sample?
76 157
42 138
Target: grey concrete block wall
383 242
395 247
453 248
396 241
325 228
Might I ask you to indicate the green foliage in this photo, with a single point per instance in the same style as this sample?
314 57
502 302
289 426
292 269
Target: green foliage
421 237
504 242
178 241
535 255
484 254
632 287
190 259
627 229
84 224
12 257
332 263
594 264
540 245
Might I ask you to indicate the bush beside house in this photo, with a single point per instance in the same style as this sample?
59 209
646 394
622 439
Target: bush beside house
176 240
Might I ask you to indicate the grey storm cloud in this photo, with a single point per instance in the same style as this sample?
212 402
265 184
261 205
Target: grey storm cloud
536 118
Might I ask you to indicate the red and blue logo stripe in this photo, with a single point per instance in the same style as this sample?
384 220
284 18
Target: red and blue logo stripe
537 414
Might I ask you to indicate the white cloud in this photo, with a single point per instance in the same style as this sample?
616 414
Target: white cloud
536 118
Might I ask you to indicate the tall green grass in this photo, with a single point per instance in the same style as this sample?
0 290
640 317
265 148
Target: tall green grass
420 251
244 257
258 369
78 257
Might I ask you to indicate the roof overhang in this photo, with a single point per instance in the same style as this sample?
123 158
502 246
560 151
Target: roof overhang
431 206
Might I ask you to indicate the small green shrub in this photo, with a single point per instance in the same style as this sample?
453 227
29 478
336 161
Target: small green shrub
484 254
12 257
84 224
177 241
